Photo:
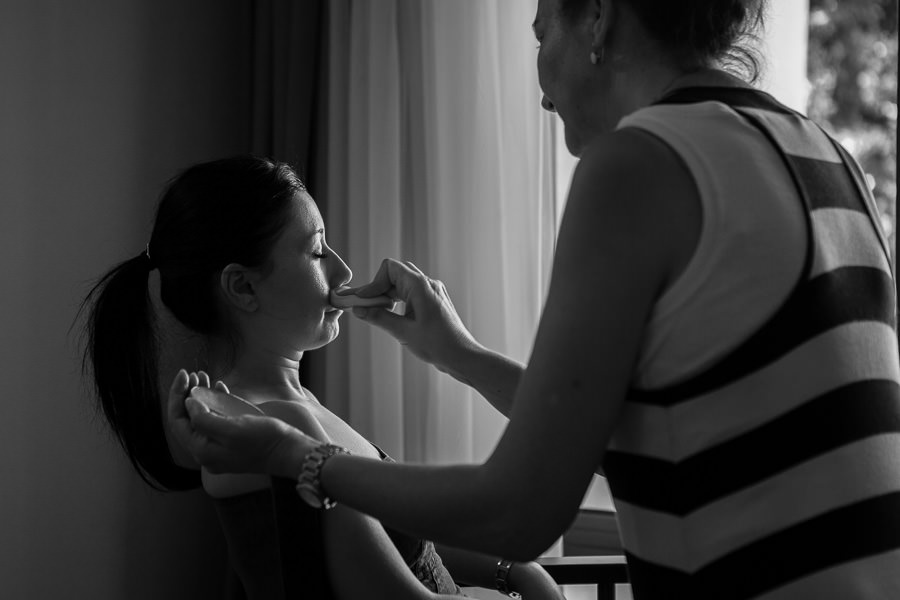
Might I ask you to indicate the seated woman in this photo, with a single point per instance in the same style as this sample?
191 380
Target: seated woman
243 262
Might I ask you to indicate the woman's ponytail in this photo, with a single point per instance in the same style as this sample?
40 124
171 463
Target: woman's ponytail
121 352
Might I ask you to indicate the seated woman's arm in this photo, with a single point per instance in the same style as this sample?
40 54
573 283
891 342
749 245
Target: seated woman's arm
370 560
362 560
364 563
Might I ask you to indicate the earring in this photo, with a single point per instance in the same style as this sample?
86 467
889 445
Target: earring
595 58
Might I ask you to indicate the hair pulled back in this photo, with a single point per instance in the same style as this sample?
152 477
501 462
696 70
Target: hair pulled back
210 215
702 31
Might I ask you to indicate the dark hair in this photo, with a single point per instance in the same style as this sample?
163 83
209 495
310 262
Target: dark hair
210 215
702 31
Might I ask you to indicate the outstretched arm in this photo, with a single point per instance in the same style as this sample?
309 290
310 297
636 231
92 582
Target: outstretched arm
493 375
626 234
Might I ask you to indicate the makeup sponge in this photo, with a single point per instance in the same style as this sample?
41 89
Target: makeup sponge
351 300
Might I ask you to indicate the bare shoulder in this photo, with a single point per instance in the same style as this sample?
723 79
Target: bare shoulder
296 414
224 485
633 152
631 187
634 165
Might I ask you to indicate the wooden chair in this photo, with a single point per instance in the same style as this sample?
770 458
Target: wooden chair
593 554
603 571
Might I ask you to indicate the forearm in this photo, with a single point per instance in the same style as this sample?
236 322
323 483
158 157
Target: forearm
493 375
467 506
450 504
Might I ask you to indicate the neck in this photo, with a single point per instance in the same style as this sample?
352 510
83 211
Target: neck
642 86
704 77
259 372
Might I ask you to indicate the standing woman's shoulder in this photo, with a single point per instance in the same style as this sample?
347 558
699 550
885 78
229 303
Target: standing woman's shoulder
630 184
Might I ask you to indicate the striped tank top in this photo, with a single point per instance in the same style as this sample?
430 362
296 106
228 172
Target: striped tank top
771 470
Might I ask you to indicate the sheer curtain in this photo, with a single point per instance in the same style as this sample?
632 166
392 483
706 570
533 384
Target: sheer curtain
439 154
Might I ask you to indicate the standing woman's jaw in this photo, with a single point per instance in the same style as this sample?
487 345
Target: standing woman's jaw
596 64
575 67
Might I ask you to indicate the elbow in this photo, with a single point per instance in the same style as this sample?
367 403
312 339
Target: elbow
526 518
531 528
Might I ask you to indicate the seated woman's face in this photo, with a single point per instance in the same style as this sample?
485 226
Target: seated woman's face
293 292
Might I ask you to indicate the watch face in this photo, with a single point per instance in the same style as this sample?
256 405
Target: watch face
309 496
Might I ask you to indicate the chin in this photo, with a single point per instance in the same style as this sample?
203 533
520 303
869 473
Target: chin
329 334
573 144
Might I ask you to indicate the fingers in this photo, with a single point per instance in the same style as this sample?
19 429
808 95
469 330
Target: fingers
204 379
394 279
208 423
177 419
381 283
391 322
196 410
220 385
177 391
412 266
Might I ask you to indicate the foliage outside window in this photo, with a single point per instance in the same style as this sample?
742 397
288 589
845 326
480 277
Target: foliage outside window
852 70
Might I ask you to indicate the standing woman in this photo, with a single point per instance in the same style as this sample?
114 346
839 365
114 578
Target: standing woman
719 338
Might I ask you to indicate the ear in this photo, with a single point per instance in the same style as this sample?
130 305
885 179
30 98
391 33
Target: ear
604 18
238 285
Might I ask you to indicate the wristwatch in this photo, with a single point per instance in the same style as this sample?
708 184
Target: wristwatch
501 578
309 484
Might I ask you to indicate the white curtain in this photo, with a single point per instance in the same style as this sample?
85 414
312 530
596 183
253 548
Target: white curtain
439 154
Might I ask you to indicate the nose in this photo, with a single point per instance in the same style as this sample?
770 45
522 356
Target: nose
547 105
341 274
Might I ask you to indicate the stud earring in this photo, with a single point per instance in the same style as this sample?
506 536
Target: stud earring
597 58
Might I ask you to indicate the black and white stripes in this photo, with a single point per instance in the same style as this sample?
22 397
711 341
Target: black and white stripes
775 473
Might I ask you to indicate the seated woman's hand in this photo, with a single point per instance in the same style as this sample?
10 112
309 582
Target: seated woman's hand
247 443
430 327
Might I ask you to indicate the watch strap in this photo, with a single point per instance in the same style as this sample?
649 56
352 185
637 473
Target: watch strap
501 578
309 483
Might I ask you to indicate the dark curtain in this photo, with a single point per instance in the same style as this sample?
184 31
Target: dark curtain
289 99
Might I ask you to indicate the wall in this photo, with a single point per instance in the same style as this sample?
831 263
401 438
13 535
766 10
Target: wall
100 102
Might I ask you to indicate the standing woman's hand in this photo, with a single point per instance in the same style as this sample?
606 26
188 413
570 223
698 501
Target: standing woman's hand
430 327
247 443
